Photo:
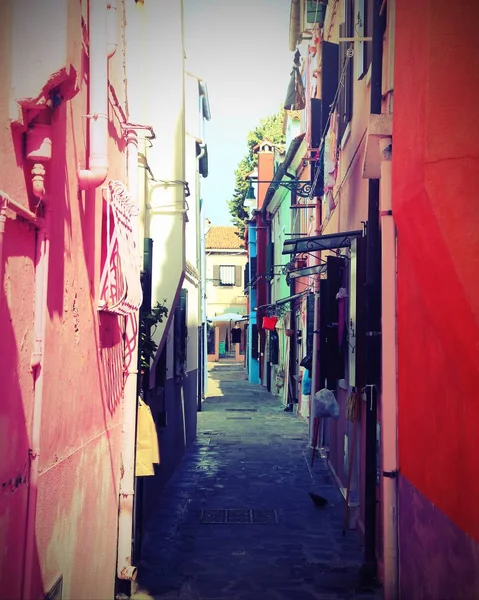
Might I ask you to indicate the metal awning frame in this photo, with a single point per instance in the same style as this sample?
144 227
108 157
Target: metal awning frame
305 271
285 300
329 241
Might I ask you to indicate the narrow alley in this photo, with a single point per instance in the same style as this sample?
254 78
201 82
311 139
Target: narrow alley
236 522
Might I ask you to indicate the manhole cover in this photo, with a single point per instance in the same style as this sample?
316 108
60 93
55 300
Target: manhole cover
238 516
241 410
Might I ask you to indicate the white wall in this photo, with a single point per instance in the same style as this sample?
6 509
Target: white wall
220 299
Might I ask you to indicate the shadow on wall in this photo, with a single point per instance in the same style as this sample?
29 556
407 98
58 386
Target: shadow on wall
15 408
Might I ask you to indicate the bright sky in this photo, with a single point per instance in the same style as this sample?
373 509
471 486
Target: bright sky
240 49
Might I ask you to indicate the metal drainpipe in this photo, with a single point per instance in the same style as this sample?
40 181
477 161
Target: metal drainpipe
389 380
316 349
373 317
199 259
125 568
37 366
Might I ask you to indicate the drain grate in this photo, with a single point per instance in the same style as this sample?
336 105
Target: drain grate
238 516
246 410
238 418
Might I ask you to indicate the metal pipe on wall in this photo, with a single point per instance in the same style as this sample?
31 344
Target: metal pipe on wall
316 349
37 365
125 568
97 170
389 405
373 317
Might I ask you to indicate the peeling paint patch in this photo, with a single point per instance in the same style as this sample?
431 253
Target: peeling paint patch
14 483
76 319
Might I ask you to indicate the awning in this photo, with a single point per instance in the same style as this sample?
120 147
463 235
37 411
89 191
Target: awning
285 300
227 317
314 270
330 241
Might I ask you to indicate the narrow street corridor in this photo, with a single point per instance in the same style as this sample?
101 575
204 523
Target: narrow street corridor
236 522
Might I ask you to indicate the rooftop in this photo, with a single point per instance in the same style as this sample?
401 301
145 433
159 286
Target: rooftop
223 237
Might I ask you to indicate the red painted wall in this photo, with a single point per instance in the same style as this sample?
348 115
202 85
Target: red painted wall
76 518
435 183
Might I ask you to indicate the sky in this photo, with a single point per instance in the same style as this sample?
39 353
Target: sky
240 49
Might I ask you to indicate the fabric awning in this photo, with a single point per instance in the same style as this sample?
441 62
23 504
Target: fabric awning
317 243
313 270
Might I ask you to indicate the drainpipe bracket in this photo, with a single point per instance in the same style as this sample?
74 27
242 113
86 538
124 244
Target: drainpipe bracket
391 474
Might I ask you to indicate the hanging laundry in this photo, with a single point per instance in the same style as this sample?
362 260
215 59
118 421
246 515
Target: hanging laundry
236 335
147 449
295 94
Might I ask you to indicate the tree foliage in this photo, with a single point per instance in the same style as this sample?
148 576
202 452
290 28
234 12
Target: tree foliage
270 128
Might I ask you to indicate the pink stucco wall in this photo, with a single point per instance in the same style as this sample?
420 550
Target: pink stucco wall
435 182
76 516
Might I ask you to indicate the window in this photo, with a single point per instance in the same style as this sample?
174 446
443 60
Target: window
345 101
363 25
228 275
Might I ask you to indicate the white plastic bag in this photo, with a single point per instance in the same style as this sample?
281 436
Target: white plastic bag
325 404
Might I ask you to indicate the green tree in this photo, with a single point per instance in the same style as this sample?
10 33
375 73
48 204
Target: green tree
270 128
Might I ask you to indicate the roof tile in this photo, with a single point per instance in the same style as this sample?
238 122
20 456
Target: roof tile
223 237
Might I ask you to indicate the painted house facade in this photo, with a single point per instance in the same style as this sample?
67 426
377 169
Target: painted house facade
64 179
434 189
363 256
225 271
171 168
100 196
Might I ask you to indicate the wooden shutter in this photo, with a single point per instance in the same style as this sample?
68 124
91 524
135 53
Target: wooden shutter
253 268
359 47
238 276
361 313
254 341
345 104
316 135
216 274
335 358
329 80
309 323
180 333
273 347
316 128
146 275
323 287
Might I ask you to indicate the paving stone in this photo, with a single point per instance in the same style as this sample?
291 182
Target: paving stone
257 464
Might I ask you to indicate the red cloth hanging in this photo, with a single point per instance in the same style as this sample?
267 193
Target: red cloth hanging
269 323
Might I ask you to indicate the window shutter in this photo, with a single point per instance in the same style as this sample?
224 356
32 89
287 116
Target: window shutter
253 266
254 341
316 132
216 274
345 104
146 275
335 358
273 347
181 333
238 275
329 80
310 323
323 351
316 121
246 277
359 47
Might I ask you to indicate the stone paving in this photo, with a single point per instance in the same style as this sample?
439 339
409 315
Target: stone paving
249 456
